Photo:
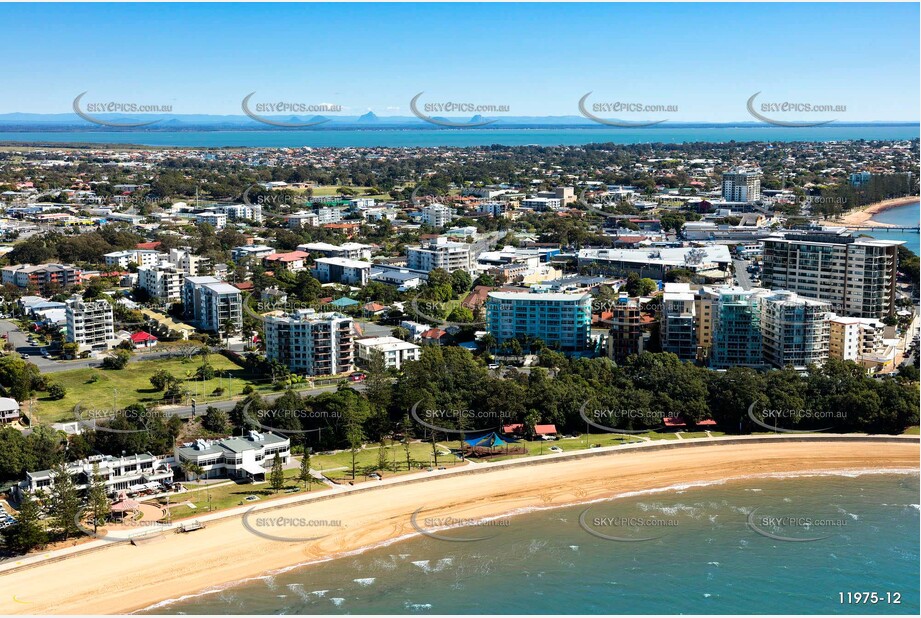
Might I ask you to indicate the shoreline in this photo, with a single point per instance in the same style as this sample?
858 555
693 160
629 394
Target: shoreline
864 216
226 552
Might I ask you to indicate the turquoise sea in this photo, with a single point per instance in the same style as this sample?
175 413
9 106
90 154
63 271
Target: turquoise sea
466 137
704 557
905 216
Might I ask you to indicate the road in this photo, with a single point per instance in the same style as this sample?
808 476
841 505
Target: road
742 276
20 341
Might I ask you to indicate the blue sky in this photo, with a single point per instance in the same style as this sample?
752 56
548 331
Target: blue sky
538 59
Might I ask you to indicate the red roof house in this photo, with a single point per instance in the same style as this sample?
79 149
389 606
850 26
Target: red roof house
142 339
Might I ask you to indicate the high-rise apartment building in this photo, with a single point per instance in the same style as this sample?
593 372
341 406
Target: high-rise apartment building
856 275
309 342
794 330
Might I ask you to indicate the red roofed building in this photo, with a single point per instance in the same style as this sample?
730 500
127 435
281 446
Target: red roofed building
148 245
142 339
292 261
541 430
435 335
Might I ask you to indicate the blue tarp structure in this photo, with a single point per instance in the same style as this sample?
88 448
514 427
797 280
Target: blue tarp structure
488 440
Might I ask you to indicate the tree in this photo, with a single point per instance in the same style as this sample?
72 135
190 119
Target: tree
230 328
304 474
27 533
277 476
161 379
118 360
215 420
460 281
382 456
96 498
355 436
63 502
56 391
407 430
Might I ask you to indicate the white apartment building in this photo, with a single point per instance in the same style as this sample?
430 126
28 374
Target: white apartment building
855 338
342 270
439 253
348 250
162 282
309 342
678 329
437 215
856 275
395 352
194 265
217 220
495 209
541 204
209 303
328 215
90 324
794 330
141 257
236 457
237 212
301 219
742 185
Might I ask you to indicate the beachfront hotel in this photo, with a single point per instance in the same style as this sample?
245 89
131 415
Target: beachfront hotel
559 320
857 276
309 342
237 457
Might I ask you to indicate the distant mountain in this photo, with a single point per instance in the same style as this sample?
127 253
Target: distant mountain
19 121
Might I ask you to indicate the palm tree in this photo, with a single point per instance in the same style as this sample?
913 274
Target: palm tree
229 327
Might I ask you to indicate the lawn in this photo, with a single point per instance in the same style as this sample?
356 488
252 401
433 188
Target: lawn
913 431
338 466
330 191
123 387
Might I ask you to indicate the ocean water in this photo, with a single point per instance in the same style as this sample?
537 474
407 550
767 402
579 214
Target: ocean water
858 532
906 216
466 137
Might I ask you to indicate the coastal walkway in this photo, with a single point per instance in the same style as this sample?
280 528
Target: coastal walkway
39 558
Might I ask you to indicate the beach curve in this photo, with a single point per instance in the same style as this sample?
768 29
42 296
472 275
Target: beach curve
225 552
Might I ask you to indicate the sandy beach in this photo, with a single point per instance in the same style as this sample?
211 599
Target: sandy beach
863 217
123 578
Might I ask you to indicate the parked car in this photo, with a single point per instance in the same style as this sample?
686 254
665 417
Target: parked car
358 376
